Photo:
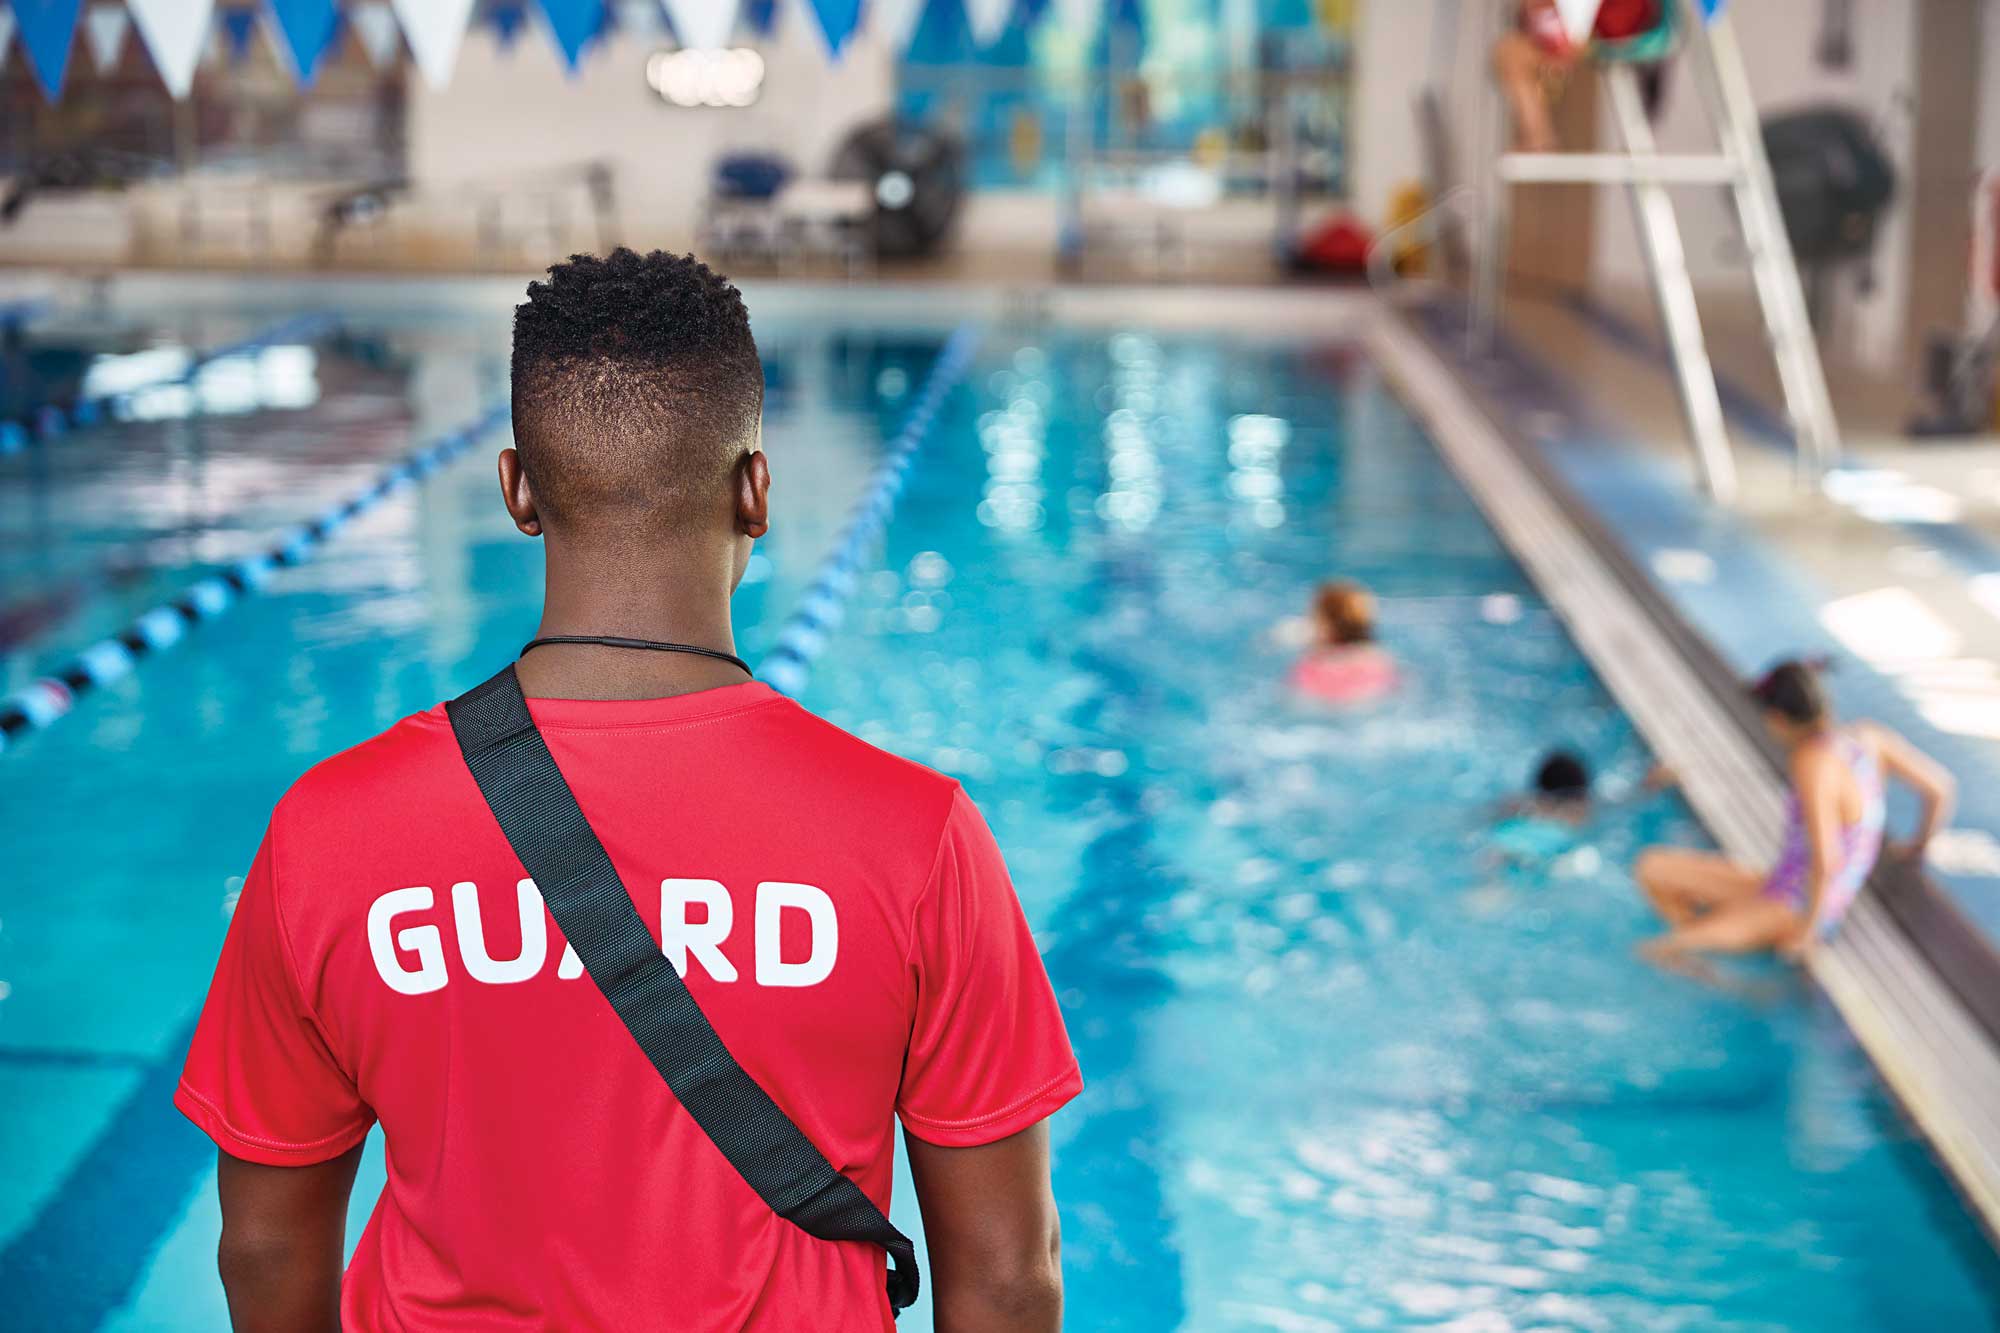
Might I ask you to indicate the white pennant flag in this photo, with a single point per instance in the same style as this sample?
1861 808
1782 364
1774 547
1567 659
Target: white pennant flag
174 32
988 19
375 28
6 36
435 29
894 22
703 25
104 28
641 18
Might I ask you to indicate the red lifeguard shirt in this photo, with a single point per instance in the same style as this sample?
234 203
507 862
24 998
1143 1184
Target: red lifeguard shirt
842 916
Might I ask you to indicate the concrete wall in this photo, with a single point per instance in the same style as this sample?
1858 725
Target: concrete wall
1392 44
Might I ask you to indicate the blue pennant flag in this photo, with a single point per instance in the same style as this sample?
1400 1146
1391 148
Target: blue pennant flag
574 23
837 19
238 27
508 21
47 28
308 27
762 16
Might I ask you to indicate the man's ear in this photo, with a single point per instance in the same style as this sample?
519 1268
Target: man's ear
516 495
752 482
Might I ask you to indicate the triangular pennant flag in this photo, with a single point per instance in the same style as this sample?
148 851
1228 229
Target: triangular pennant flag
1578 18
703 25
238 27
307 27
173 31
574 23
836 21
307 30
988 19
47 28
762 16
6 36
508 20
375 29
641 17
435 29
104 28
894 22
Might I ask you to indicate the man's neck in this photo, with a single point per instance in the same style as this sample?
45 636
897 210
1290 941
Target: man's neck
678 601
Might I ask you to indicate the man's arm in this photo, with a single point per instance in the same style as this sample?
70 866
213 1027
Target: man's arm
284 1234
990 1225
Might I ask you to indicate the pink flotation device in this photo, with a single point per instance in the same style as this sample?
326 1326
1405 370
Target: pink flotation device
1344 675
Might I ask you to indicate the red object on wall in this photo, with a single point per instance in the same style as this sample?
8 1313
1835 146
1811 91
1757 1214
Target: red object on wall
1339 244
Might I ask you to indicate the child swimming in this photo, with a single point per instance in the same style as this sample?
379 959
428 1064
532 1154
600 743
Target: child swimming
1834 829
1546 821
1343 663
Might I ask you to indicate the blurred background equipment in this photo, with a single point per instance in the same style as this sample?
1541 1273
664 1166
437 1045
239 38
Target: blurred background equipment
916 177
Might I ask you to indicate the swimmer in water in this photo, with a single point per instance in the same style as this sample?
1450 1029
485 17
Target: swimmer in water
1342 662
1545 821
1833 834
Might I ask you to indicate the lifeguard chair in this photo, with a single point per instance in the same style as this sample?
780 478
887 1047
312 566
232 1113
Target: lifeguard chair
1700 32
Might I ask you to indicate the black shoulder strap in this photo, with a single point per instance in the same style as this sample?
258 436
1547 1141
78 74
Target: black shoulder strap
538 813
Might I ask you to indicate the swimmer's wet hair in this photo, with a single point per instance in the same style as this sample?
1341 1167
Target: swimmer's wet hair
1794 691
1563 775
1346 611
636 387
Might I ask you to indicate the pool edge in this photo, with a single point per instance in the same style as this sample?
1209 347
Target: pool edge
1936 1056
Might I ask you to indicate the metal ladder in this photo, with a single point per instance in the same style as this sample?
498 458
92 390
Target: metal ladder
1740 165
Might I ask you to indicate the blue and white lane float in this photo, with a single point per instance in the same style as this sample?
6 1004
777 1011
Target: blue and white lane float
50 420
788 665
43 701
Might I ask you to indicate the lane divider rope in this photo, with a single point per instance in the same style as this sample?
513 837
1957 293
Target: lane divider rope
51 420
788 665
41 702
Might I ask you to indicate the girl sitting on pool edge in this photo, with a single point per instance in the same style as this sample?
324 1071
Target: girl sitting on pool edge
1833 833
1342 662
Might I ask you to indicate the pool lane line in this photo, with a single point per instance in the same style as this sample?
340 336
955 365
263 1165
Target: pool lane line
52 420
788 665
41 702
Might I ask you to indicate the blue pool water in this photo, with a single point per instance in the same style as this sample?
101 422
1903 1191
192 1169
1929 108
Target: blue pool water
1348 1067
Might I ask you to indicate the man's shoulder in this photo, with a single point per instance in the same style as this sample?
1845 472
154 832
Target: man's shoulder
858 765
386 770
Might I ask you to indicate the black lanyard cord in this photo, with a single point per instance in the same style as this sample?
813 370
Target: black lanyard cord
654 645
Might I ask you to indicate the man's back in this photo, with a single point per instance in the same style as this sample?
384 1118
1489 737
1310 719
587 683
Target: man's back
841 916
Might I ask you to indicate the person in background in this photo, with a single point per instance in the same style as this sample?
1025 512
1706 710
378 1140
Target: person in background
1833 833
1544 822
1535 56
1342 663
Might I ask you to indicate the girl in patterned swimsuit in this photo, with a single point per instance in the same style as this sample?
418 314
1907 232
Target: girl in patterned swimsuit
1833 833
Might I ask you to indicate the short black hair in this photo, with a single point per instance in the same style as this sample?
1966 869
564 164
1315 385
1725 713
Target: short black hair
636 386
1562 774
1794 691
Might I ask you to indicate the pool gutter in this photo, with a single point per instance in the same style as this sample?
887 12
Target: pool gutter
1933 1042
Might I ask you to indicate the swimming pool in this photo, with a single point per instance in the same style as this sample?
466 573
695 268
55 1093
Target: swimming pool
1347 1068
